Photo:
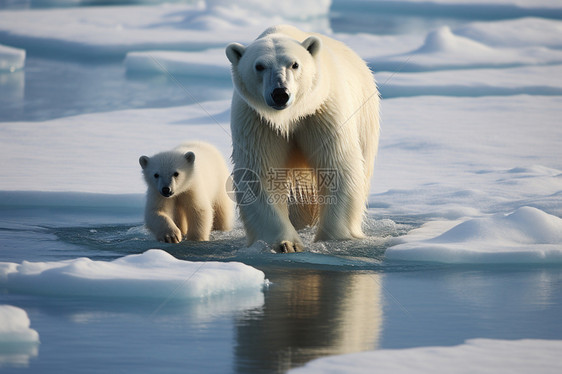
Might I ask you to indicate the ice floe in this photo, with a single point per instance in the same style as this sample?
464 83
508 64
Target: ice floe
18 341
443 49
527 235
528 80
519 32
153 274
99 32
15 326
474 356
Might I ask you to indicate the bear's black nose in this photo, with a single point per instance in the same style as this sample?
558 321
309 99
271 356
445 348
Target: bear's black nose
280 96
167 192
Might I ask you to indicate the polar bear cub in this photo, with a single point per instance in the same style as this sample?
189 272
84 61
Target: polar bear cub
187 194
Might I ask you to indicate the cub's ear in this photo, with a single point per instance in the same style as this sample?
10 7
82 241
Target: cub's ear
143 161
234 52
312 44
190 157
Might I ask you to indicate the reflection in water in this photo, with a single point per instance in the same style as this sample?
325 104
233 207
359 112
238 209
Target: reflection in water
310 314
17 354
12 93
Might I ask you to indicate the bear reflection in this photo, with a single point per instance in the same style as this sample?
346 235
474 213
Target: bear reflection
309 314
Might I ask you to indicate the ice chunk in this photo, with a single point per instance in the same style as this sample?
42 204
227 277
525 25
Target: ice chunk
11 59
153 274
474 356
18 342
14 326
528 235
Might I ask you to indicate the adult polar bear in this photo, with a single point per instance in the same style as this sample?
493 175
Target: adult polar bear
302 100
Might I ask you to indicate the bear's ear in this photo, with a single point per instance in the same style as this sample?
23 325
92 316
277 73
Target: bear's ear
312 44
143 161
234 52
190 157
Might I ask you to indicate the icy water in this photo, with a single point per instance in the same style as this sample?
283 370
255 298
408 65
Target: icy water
340 298
337 298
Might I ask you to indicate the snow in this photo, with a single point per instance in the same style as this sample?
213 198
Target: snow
209 63
18 341
474 356
152 274
443 49
521 32
549 4
63 141
528 235
530 80
11 59
14 326
111 31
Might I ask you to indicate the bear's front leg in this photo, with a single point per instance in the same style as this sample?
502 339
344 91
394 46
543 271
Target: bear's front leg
338 161
199 219
158 221
164 228
258 151
265 213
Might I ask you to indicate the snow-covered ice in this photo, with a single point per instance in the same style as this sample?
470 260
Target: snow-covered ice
520 32
207 63
443 49
15 326
527 80
112 32
474 356
527 235
153 274
18 341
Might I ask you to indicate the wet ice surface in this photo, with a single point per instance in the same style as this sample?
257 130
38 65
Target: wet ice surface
463 241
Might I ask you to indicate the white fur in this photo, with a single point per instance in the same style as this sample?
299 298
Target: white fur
332 121
199 202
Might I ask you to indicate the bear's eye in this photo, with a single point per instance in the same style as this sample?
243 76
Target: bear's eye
295 65
260 67
156 175
176 174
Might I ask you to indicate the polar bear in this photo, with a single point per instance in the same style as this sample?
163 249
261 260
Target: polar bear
187 193
302 101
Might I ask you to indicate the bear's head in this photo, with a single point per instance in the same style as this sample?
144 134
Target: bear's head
276 76
169 173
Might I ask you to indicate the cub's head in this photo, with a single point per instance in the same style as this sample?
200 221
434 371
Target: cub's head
169 173
275 75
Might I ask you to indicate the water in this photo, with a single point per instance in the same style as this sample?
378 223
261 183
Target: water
341 298
337 298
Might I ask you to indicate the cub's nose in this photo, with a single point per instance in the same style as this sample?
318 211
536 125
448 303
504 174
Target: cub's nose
280 96
167 192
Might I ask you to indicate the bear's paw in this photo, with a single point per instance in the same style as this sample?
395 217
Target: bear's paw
287 246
